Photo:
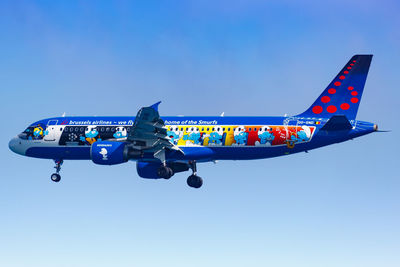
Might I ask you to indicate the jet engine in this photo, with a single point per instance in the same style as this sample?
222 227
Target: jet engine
112 152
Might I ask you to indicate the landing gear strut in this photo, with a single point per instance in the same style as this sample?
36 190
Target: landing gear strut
164 171
56 177
194 180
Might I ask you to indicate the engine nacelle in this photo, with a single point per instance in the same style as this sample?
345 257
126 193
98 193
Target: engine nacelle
109 152
148 170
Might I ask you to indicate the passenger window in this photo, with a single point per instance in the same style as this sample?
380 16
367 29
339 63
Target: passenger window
112 129
82 129
107 129
76 129
229 129
208 129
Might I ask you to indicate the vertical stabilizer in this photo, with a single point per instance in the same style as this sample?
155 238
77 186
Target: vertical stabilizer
343 95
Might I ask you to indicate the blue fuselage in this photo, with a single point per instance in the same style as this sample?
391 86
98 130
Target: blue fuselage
200 138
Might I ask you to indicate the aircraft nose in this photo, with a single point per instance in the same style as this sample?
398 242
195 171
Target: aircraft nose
15 146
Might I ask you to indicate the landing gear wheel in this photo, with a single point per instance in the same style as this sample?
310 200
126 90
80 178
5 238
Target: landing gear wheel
165 172
55 177
194 181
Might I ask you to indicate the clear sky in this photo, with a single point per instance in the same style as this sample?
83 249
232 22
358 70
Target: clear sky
335 206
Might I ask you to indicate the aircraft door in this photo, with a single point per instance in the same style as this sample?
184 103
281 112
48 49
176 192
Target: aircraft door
290 125
51 131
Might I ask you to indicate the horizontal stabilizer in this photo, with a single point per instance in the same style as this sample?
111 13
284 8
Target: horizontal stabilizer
337 123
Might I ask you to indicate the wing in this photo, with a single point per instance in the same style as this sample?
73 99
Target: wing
149 133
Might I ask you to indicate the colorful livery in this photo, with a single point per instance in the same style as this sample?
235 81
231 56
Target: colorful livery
163 146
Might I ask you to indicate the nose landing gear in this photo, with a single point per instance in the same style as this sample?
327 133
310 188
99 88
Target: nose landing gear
194 180
56 177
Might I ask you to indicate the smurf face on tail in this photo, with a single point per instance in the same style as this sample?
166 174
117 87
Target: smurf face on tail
174 134
120 132
240 136
192 136
91 136
266 136
304 135
215 137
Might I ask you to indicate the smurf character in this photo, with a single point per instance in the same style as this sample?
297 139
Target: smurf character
104 153
266 136
120 132
304 135
193 136
38 132
240 136
174 134
215 138
91 136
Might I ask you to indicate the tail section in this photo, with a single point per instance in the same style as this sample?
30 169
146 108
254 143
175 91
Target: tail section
343 95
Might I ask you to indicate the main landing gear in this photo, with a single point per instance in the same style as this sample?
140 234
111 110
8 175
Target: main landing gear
194 180
165 172
56 177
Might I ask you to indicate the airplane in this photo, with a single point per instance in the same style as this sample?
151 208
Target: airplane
164 146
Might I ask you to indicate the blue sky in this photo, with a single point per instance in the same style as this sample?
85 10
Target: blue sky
335 206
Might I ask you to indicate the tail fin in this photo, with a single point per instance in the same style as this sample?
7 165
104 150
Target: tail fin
343 95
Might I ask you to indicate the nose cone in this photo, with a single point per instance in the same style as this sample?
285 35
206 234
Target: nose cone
16 146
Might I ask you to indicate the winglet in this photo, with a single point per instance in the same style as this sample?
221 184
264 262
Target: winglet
155 106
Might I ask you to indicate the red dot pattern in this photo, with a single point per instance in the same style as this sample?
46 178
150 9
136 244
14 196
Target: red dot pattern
345 106
325 99
317 109
332 91
331 109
